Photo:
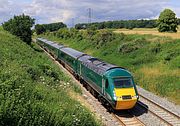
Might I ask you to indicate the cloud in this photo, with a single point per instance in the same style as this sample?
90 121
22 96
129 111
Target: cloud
65 10
47 11
9 8
3 9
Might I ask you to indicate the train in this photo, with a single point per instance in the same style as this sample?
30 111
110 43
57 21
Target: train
114 86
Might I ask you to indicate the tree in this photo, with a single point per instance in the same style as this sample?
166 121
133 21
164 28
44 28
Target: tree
20 26
41 28
167 21
179 21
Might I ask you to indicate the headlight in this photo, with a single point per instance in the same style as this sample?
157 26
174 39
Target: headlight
114 95
135 96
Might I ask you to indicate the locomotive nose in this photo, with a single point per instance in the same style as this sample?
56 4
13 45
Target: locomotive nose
126 98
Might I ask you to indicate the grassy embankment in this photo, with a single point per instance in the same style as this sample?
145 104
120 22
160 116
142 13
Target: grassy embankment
153 60
33 90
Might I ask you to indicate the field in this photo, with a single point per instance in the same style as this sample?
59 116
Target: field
34 91
150 31
153 60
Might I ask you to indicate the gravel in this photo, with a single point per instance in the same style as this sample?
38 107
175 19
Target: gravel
99 110
148 118
161 101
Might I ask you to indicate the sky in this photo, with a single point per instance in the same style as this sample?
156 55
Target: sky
76 11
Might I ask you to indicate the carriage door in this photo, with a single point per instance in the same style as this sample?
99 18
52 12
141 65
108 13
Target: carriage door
80 70
103 86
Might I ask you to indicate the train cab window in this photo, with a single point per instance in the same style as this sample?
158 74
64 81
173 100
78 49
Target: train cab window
107 83
123 83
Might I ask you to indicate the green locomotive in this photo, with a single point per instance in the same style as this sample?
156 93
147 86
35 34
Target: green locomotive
113 85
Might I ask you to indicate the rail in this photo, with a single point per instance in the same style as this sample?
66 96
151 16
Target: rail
159 111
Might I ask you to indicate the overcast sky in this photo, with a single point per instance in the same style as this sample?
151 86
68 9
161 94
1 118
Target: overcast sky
47 11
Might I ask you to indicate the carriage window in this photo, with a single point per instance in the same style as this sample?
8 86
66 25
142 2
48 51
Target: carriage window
107 83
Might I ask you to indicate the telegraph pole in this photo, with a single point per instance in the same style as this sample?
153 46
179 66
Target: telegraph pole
89 15
72 22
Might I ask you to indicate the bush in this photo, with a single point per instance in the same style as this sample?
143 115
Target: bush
41 28
132 46
89 34
103 37
20 26
170 55
155 48
63 33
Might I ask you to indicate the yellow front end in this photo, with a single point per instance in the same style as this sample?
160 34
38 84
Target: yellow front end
126 98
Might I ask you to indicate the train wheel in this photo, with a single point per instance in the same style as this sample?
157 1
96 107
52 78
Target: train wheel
63 65
80 80
76 76
99 98
89 88
93 93
109 108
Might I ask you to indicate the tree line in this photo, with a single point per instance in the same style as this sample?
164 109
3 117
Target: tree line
129 24
41 28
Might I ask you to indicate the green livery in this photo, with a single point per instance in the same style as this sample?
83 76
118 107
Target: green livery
113 84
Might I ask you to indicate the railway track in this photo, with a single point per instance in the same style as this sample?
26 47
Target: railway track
157 110
128 119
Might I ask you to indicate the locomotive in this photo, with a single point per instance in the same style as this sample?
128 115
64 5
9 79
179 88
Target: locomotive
113 85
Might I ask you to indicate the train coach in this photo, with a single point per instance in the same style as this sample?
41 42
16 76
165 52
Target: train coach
113 85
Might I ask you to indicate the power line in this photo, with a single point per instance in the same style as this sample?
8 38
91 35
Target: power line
89 15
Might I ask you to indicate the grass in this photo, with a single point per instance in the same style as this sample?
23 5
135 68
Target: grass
153 60
152 31
34 91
